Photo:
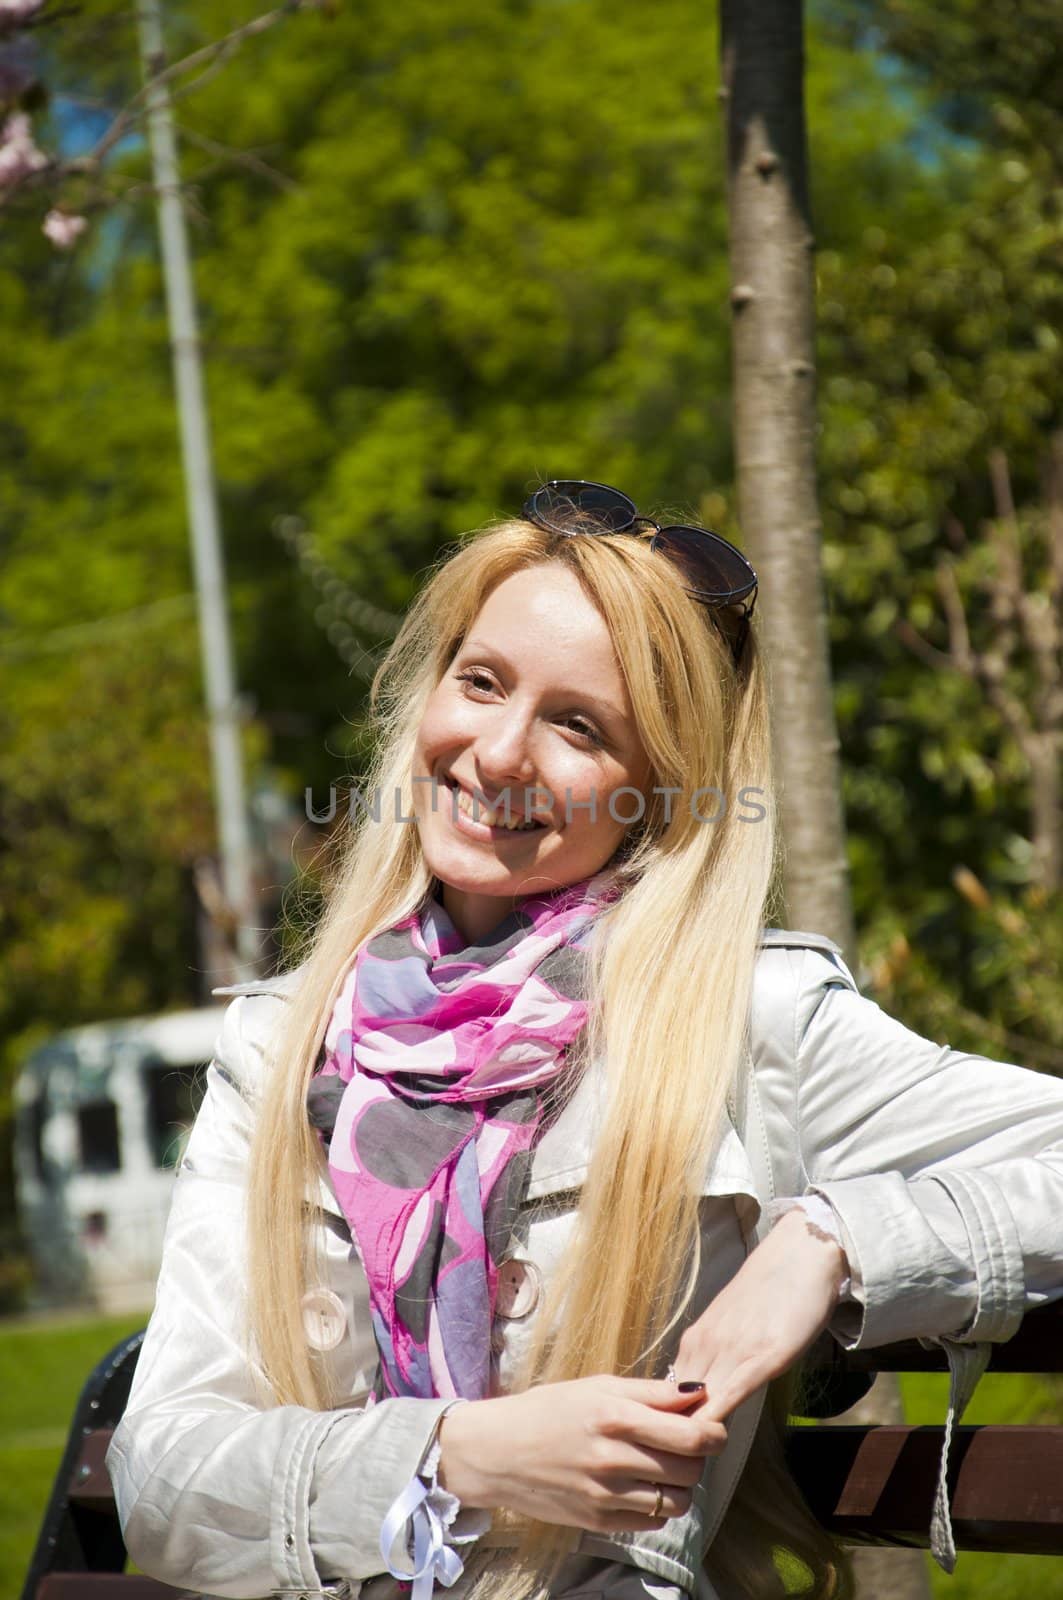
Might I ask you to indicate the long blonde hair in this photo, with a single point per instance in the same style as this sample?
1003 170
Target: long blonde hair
687 925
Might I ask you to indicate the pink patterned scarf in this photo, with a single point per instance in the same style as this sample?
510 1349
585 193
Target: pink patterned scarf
427 1103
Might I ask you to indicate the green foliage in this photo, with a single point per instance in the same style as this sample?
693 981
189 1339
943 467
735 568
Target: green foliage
939 346
977 58
442 252
1009 949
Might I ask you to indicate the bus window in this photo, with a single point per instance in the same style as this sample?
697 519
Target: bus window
173 1095
35 1122
98 1136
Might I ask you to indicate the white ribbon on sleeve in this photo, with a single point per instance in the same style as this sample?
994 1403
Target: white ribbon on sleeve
432 1558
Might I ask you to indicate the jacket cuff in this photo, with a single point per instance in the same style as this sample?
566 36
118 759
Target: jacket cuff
458 1525
371 1472
996 1250
421 1528
909 1257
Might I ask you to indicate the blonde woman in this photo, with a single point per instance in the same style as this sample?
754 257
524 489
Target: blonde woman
504 1213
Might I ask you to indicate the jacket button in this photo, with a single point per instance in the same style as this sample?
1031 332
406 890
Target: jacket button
324 1319
520 1286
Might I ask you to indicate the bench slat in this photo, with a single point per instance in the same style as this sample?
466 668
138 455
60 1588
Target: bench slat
90 1482
867 1483
95 1585
877 1485
1036 1347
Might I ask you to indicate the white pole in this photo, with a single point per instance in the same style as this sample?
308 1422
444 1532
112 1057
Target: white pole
215 645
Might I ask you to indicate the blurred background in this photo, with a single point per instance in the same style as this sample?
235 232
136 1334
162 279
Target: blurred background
442 251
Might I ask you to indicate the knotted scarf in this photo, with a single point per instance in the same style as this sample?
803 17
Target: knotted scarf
428 1102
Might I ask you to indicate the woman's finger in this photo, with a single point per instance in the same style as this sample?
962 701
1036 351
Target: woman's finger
632 1461
697 1432
735 1376
640 1503
661 1393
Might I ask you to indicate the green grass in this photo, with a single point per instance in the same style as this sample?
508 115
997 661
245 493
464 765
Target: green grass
43 1367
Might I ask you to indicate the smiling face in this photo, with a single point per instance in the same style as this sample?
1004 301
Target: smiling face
534 698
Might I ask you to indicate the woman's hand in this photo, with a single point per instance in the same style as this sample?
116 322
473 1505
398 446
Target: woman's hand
781 1298
586 1454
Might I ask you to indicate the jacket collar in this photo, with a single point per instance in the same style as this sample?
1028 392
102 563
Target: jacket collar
562 1156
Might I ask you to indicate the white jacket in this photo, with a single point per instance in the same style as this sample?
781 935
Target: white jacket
945 1169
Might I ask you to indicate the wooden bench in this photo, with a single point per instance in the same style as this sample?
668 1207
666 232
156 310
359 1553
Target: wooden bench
876 1485
869 1485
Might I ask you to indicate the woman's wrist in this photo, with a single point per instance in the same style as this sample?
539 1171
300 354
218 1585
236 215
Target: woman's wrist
464 1444
820 1245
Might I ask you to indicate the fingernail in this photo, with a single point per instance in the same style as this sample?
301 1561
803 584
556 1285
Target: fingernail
690 1386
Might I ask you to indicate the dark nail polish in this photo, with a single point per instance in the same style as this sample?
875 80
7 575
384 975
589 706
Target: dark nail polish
690 1386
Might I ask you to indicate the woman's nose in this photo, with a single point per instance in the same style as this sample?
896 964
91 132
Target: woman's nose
503 752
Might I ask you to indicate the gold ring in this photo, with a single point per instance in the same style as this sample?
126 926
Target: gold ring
658 1503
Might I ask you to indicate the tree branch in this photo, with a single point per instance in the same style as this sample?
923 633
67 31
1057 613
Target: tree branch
921 647
125 120
987 668
1036 726
956 616
1054 497
239 158
1040 623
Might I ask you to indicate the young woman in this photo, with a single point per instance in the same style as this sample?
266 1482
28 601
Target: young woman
503 1212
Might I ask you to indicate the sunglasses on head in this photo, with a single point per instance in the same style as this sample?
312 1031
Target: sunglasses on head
713 571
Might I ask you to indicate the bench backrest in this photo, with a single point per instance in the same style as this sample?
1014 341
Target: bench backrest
869 1485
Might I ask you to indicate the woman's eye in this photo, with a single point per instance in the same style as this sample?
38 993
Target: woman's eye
585 730
479 680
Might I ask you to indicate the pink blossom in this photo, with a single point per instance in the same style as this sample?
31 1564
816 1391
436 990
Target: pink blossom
15 13
19 155
62 228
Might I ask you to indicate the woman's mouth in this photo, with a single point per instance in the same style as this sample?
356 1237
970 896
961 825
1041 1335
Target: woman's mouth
473 816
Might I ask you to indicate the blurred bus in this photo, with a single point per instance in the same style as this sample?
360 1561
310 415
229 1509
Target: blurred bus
102 1114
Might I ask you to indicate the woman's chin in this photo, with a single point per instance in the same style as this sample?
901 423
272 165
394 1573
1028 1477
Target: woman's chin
480 871
475 878
484 866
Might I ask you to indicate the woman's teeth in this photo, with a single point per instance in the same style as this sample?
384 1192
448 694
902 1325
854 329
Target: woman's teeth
481 812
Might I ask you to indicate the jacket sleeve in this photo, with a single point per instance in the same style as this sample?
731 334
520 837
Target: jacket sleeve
216 1489
945 1169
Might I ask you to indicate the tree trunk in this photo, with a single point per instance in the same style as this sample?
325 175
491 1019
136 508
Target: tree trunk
775 425
1046 809
772 297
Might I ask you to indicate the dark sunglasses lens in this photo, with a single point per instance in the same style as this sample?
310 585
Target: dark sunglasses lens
558 505
708 563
